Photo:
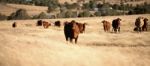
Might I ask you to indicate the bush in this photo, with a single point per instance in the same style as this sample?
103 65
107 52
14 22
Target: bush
71 6
20 14
84 14
61 15
42 15
98 13
67 14
3 17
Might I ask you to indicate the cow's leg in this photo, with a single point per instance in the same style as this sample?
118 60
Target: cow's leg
137 29
140 29
71 39
145 28
112 29
115 30
66 37
105 28
118 29
76 39
44 26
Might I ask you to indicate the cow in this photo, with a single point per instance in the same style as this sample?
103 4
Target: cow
145 26
106 25
116 25
46 24
139 22
14 25
71 31
57 23
82 27
39 23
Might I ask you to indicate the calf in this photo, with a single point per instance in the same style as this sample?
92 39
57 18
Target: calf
106 26
145 26
46 24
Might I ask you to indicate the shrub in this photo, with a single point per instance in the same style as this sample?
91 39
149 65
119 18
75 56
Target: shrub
42 15
98 13
84 14
20 14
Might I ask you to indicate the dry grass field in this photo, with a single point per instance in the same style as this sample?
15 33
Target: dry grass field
28 45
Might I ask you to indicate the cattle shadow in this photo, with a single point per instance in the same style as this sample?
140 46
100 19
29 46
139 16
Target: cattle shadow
117 45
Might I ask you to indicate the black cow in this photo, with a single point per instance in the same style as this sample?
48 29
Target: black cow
39 23
14 25
116 25
57 23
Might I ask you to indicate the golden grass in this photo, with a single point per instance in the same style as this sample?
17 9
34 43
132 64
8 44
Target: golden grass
28 45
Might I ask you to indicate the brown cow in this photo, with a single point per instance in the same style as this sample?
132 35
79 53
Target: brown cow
81 27
14 25
139 22
145 26
46 24
71 31
116 25
57 23
106 25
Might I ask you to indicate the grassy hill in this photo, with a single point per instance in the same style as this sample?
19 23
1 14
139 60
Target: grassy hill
7 9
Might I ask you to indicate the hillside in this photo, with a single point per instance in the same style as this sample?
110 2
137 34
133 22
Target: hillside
108 1
7 9
32 10
28 45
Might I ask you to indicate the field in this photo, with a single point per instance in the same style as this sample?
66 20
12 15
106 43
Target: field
29 45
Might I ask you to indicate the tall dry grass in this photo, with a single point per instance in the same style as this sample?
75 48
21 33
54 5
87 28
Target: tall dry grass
28 45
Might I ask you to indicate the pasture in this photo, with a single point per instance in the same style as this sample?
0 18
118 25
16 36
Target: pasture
29 45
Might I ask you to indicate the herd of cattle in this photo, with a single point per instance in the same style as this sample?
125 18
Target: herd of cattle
73 29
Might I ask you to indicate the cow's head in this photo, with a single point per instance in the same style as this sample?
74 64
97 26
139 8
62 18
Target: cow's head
119 19
145 19
103 21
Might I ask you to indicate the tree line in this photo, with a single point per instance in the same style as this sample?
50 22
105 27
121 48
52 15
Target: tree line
67 10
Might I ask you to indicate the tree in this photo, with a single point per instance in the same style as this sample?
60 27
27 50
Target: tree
42 15
84 14
98 13
86 6
68 14
92 5
20 14
139 9
52 6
